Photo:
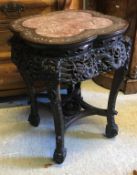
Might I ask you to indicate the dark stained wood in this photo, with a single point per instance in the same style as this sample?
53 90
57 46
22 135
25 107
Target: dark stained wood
113 7
68 65
126 9
133 65
10 81
91 5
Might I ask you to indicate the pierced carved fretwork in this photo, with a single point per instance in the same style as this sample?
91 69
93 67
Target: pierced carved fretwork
104 56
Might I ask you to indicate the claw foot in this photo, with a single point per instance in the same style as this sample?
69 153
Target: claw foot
59 157
111 131
34 120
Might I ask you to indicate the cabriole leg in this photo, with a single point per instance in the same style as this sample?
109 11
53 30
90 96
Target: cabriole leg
112 128
34 118
55 97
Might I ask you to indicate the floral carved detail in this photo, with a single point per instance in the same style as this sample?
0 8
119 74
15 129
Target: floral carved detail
103 56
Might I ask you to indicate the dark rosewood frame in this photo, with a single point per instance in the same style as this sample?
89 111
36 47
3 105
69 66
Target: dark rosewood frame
68 65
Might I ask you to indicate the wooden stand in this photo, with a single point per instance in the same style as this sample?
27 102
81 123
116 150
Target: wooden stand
60 60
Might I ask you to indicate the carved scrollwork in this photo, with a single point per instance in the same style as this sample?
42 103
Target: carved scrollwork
78 68
105 55
111 53
48 66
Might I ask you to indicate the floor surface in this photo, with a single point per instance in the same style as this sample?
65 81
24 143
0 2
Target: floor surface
26 150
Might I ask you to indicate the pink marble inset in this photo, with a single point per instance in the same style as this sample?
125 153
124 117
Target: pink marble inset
65 24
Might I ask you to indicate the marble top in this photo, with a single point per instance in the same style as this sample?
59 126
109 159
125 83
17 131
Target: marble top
70 26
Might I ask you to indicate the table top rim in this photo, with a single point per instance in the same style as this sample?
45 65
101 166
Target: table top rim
91 34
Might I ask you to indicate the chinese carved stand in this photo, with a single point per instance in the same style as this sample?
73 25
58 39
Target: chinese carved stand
63 49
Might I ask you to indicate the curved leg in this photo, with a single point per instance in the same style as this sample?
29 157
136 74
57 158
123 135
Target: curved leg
34 118
60 151
112 128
